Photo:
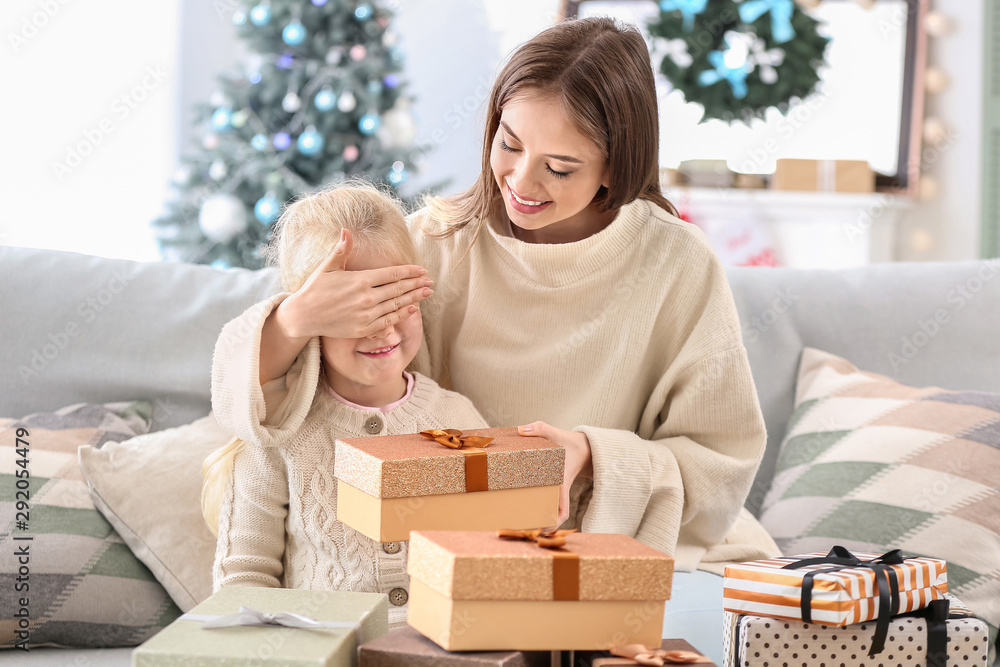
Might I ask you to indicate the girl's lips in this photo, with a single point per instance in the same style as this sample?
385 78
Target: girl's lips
382 352
527 209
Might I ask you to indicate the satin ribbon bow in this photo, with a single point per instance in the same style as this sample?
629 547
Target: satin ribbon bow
736 76
641 655
248 616
781 16
885 578
688 9
453 438
548 539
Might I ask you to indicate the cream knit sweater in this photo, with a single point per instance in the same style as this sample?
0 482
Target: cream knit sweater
278 522
631 336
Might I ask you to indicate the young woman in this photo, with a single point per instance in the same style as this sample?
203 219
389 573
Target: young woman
569 299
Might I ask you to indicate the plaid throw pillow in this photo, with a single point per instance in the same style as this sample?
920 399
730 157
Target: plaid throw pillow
86 589
875 465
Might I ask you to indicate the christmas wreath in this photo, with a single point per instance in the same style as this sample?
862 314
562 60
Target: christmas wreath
738 59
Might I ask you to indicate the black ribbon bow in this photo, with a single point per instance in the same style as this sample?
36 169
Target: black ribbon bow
885 577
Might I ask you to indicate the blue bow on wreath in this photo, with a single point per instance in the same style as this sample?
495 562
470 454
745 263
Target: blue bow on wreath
736 76
688 8
781 16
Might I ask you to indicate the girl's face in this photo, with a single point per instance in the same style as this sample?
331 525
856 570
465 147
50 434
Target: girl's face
548 171
369 371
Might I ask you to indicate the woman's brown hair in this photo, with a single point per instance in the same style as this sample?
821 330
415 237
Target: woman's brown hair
601 71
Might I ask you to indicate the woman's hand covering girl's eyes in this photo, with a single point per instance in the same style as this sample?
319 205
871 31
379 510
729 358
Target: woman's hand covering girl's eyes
338 303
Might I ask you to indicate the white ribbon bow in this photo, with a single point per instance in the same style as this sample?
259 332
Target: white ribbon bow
248 616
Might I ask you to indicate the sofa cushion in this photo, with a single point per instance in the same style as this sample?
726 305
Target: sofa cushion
873 465
149 488
85 588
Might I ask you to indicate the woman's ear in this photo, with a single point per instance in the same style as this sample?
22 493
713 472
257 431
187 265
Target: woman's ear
606 177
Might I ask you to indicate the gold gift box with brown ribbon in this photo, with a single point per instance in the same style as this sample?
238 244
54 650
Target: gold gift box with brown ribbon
476 591
479 479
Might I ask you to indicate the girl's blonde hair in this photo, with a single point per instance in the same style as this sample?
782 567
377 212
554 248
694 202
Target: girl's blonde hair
601 71
304 235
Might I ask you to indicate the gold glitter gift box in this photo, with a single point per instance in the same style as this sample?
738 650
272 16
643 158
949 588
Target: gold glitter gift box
390 485
473 591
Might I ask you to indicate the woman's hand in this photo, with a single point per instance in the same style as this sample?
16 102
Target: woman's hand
578 459
338 303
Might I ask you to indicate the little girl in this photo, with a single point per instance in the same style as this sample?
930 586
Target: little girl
270 492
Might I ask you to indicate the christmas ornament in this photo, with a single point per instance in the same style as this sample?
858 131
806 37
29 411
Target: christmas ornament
222 218
374 87
266 209
218 170
261 14
291 103
397 177
319 3
285 61
391 81
255 77
220 264
397 128
325 100
210 142
688 9
936 80
389 38
351 153
281 141
239 17
363 12
239 119
310 142
218 99
294 33
222 118
369 123
358 52
259 142
781 16
396 55
347 101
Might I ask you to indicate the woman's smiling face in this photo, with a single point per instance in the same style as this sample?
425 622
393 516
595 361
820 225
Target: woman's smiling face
548 171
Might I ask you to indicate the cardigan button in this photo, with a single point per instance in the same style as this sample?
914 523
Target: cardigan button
391 547
398 596
374 425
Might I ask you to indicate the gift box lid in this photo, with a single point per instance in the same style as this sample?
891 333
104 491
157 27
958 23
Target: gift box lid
295 646
408 465
474 565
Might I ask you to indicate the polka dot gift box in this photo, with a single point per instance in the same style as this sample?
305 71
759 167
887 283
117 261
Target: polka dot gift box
945 634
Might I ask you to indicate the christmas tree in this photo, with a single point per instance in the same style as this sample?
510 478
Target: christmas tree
320 99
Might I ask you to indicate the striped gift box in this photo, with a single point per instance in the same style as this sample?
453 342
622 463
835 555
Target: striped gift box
850 595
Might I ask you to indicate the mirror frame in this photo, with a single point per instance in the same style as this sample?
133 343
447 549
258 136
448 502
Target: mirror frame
906 180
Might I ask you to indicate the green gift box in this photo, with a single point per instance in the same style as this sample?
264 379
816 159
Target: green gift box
258 639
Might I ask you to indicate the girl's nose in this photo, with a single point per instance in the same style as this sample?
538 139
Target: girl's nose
383 333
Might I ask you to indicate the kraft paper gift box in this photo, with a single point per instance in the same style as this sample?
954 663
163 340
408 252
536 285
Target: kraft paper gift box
390 485
258 640
836 589
945 633
474 591
405 647
823 176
